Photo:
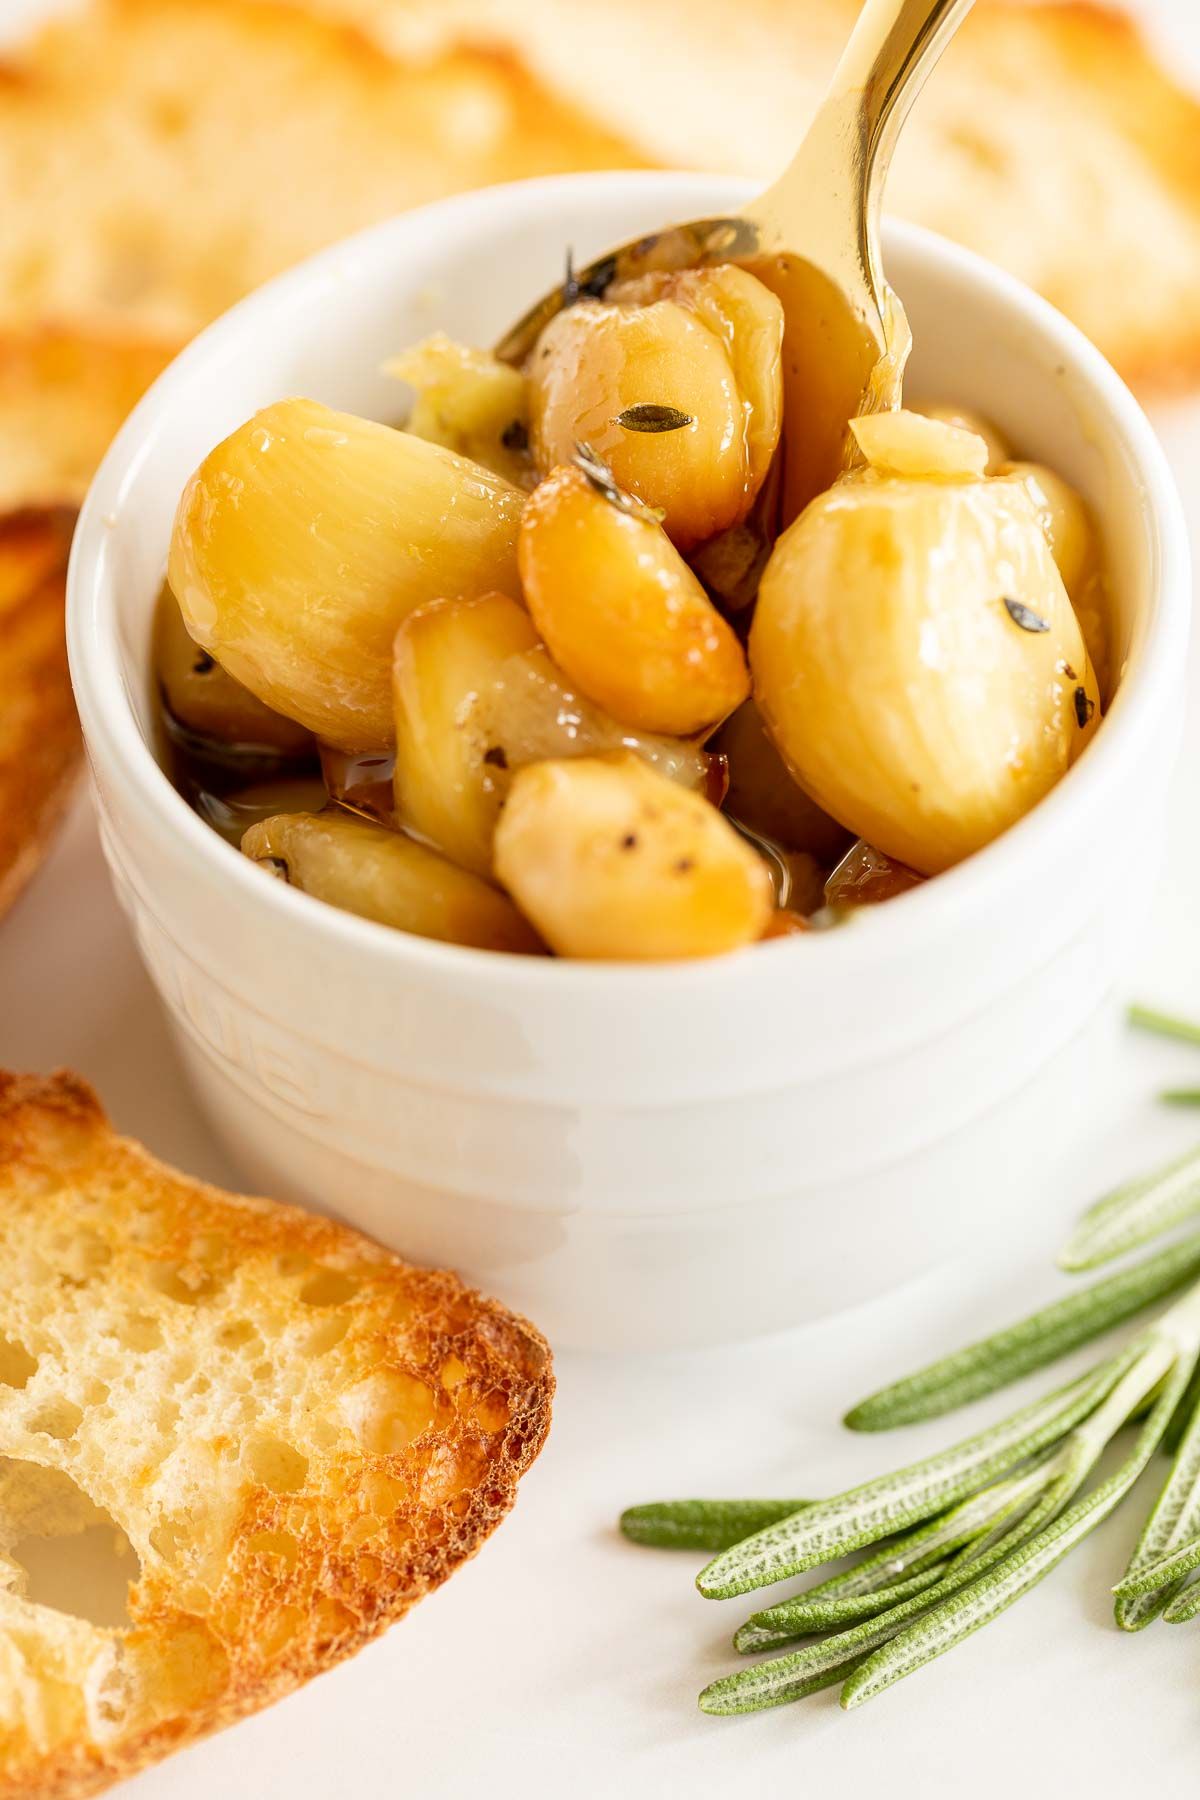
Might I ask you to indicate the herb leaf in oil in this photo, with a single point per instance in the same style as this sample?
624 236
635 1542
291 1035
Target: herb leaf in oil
647 415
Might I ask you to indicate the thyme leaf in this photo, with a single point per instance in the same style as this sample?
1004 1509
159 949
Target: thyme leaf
648 415
1024 616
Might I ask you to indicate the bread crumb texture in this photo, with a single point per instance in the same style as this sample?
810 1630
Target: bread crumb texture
236 1442
39 732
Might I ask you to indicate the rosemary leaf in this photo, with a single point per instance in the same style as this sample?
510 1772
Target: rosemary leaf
908 1557
993 1362
1180 1096
702 1524
724 1696
866 1583
1164 1024
790 1677
880 1568
863 1515
945 1626
1185 1607
803 1615
1174 1521
1161 1573
1132 1214
974 1591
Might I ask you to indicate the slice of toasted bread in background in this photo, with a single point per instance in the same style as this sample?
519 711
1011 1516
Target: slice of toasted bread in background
1048 139
1053 143
295 1434
39 732
159 158
63 395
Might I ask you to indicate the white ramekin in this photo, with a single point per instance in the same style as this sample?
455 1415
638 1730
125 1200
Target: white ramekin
641 1156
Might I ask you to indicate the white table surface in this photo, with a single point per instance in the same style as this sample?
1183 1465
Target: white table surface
563 1658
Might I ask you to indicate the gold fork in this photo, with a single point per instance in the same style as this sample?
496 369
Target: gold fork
812 237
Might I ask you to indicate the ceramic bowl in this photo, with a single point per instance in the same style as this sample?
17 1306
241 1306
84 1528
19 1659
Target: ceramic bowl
642 1156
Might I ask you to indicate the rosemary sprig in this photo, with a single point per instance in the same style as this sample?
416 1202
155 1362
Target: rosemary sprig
946 1626
833 1528
702 1524
790 1677
953 1540
910 1556
1134 1213
1045 1336
979 1586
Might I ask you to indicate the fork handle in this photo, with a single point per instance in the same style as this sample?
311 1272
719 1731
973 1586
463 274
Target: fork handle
892 49
838 173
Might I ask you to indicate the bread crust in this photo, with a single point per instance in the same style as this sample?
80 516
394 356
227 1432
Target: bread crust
368 1530
40 747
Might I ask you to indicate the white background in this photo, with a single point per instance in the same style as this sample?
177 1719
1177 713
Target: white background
565 1659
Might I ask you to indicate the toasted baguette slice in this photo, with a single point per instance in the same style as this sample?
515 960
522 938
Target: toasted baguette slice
39 732
198 146
159 158
294 1433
